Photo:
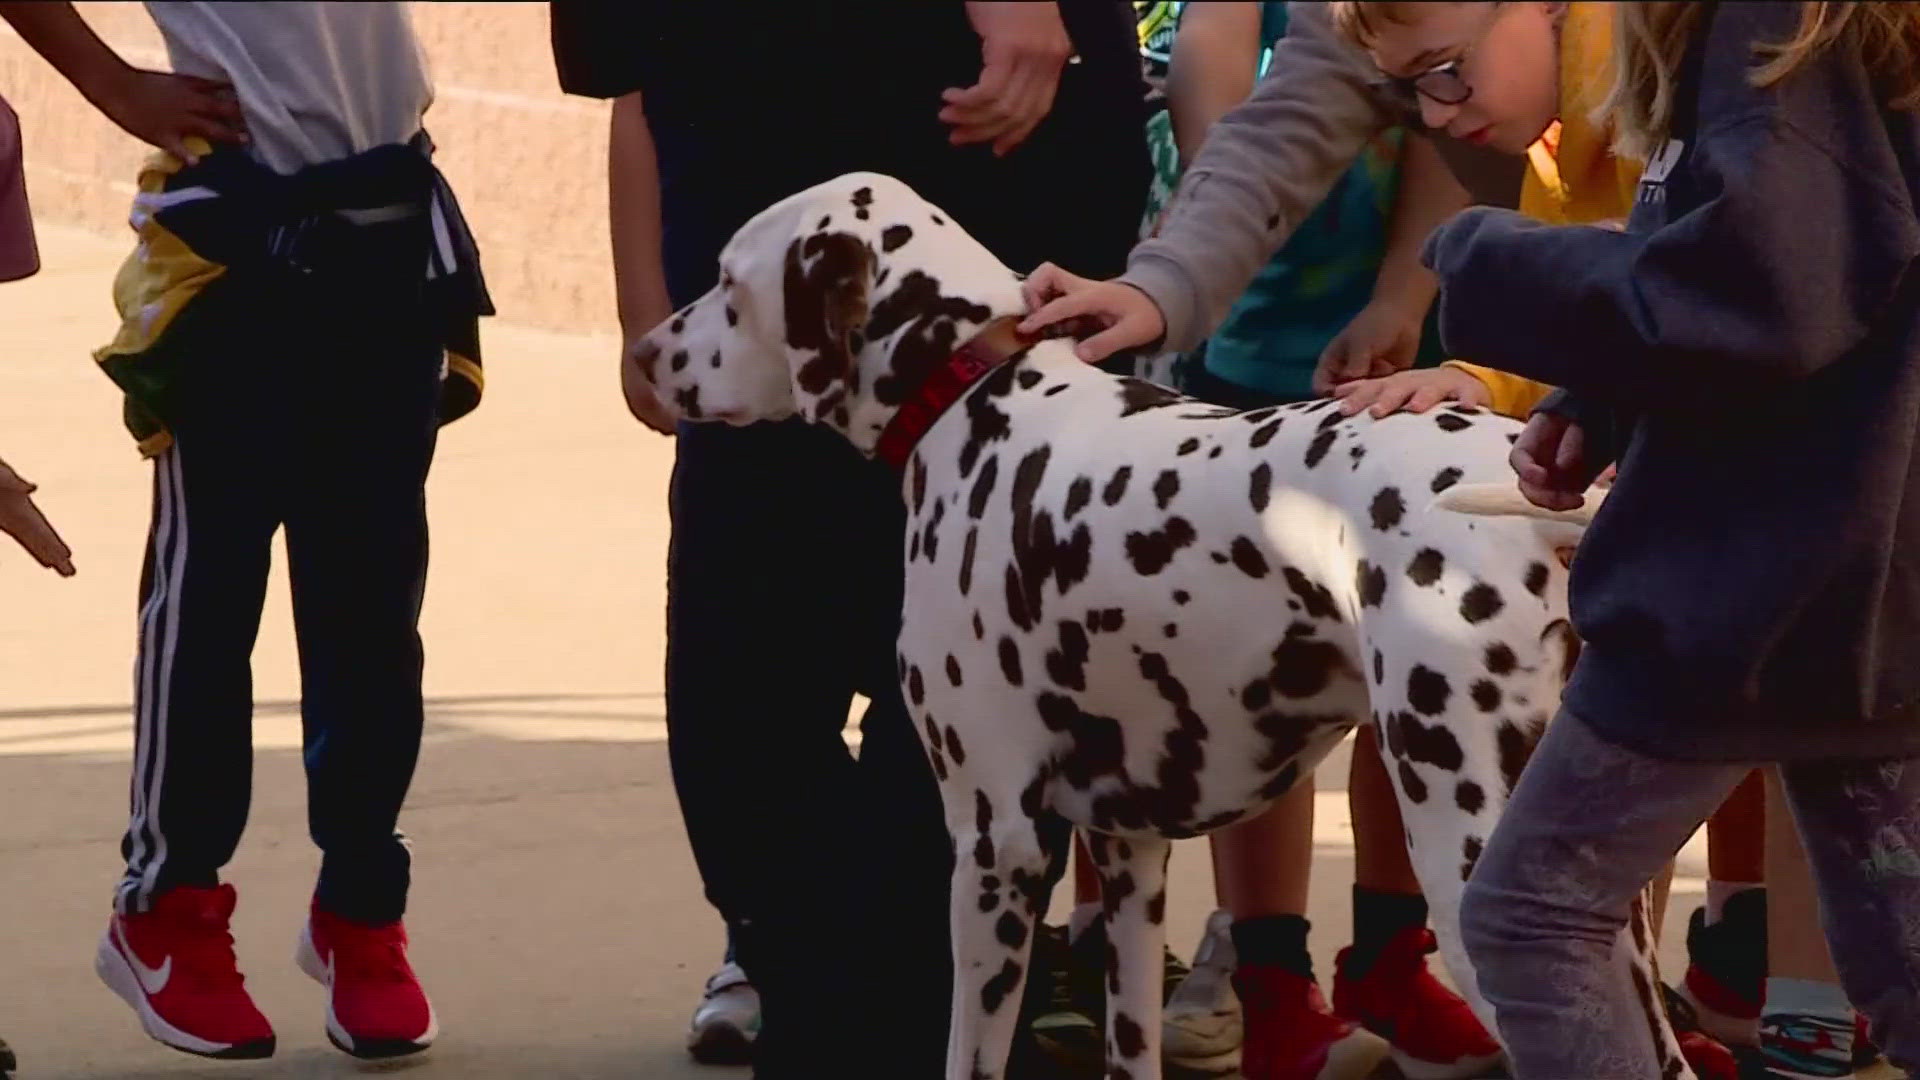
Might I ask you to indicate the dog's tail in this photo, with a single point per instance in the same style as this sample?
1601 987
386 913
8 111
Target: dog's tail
1562 528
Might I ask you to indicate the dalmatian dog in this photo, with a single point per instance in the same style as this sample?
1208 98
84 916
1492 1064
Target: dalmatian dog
1129 612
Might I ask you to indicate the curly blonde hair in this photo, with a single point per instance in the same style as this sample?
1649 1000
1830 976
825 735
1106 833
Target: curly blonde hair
1651 39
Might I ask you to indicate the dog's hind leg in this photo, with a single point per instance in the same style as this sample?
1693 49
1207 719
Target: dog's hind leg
1006 863
1133 896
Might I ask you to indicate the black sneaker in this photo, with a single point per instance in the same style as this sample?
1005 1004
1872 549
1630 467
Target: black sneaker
1070 1023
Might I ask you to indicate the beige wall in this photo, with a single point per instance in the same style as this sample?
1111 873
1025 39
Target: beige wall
528 163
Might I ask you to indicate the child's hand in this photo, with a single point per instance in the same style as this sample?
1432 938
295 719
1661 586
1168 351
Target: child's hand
642 402
1381 340
1054 296
166 110
22 520
1022 49
1550 460
1414 391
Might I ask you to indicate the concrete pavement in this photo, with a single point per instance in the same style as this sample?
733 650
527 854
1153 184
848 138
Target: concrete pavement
557 917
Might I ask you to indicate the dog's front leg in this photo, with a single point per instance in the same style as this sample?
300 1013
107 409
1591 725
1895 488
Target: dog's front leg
1133 895
1005 866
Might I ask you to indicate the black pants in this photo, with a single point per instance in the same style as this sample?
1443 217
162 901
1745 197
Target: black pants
308 403
831 869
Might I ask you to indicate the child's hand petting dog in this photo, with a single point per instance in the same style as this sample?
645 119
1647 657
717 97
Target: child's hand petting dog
1414 391
1550 460
22 520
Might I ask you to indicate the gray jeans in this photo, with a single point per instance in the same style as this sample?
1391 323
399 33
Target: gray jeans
1591 823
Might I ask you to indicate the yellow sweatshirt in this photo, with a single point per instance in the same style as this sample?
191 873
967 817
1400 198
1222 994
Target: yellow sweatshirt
1573 176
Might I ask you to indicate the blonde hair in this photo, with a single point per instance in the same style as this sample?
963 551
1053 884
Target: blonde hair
1355 21
1651 39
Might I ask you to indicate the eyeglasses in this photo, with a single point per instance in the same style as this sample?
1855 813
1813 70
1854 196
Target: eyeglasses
1441 84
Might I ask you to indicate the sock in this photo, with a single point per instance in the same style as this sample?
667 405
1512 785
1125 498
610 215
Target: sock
1806 1029
1378 918
1274 940
1083 917
1719 892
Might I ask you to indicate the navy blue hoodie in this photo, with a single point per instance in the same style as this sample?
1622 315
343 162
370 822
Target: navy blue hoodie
1749 352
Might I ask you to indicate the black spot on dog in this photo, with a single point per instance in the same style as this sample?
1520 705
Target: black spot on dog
1332 419
1218 557
1316 599
1303 666
1469 797
1387 509
1515 748
983 830
1447 421
1257 694
1411 783
1260 487
980 630
824 222
1247 556
679 324
966 563
1426 567
983 487
1481 603
1165 487
1317 449
994 993
894 236
953 670
1445 479
1157 906
1117 485
1470 850
1106 620
1356 452
715 362
1127 1036
1028 378
954 749
1500 659
1273 222
1537 578
1052 390
1379 667
1371 582
933 524
937 219
1181 596
1039 554
1170 630
928 321
1433 745
1215 452
1010 662
1096 745
916 686
1079 493
1486 694
1427 690
1067 663
918 480
678 360
1151 552
987 423
688 398
733 317
1011 929
1139 395
1264 434
1187 447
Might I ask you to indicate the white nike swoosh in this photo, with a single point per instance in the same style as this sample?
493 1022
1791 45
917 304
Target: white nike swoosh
152 980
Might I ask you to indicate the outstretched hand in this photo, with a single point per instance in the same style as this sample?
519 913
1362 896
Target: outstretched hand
22 520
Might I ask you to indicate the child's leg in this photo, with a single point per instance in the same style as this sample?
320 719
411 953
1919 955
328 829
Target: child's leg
1859 823
357 559
1806 1025
1261 864
1387 897
203 585
1564 873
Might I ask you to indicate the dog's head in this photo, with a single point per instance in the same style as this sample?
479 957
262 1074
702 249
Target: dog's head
834 304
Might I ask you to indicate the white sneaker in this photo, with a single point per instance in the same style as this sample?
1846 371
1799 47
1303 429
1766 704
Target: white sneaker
727 1021
1201 1029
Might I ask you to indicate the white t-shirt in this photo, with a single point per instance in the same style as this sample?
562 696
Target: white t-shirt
317 81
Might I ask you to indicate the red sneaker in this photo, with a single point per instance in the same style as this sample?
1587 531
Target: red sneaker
1433 1033
1292 1035
375 1006
174 965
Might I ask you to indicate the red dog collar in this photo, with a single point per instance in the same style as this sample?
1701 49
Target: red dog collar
995 344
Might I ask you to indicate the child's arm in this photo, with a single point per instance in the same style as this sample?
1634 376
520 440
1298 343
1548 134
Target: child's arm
22 520
1779 273
1385 336
1216 57
633 218
155 107
1262 169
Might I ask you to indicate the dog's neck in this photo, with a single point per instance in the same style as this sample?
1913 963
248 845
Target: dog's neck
996 343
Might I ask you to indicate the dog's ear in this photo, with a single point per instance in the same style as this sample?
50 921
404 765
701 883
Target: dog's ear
828 277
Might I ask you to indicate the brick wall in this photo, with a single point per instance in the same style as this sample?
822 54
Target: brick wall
528 163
